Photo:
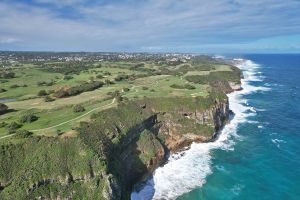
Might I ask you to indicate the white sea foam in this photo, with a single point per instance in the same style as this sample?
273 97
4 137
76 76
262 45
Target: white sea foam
184 172
277 142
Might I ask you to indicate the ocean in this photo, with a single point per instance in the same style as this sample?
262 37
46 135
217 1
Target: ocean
257 155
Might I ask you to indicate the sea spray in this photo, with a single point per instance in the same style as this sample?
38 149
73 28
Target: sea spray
187 170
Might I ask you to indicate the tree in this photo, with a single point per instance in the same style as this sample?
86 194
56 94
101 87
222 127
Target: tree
78 108
42 93
3 108
28 118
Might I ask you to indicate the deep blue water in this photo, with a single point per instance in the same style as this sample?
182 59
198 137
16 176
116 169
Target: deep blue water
265 161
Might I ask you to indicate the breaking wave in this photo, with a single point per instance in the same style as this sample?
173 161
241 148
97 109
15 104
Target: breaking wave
187 170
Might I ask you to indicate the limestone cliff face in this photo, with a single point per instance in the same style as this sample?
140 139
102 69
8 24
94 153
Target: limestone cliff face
179 135
146 146
143 132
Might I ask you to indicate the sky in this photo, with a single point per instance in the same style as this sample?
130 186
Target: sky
196 26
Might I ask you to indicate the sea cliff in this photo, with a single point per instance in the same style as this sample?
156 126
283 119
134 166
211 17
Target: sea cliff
116 148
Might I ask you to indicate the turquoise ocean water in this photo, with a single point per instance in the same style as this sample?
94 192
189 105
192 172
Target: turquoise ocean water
257 155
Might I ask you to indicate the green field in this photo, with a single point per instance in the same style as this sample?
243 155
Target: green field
56 117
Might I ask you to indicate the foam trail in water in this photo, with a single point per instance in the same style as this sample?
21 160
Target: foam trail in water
186 171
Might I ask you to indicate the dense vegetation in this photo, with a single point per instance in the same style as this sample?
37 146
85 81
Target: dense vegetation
75 90
7 74
66 68
3 108
49 168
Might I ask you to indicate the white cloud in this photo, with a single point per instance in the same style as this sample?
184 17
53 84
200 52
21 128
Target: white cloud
7 40
60 2
134 25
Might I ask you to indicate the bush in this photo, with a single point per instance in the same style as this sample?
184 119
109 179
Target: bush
67 77
78 108
50 91
14 86
28 118
12 127
185 86
125 89
108 82
2 90
5 74
75 90
2 124
45 83
3 108
119 98
189 87
42 93
48 99
121 77
99 76
114 93
23 134
144 88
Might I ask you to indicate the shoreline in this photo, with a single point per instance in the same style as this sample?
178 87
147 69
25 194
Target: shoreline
148 184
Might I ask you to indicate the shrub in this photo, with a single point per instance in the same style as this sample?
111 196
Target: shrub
114 93
78 108
48 99
14 86
125 89
67 77
2 124
144 88
3 108
23 134
28 118
99 76
75 90
45 83
108 82
42 93
119 98
50 91
200 79
12 127
121 77
2 90
5 74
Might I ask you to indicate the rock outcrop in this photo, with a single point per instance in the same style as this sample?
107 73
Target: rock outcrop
146 145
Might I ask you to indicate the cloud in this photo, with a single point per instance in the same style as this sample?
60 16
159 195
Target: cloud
133 25
7 40
60 2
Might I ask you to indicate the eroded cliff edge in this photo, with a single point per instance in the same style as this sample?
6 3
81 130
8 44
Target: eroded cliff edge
138 135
